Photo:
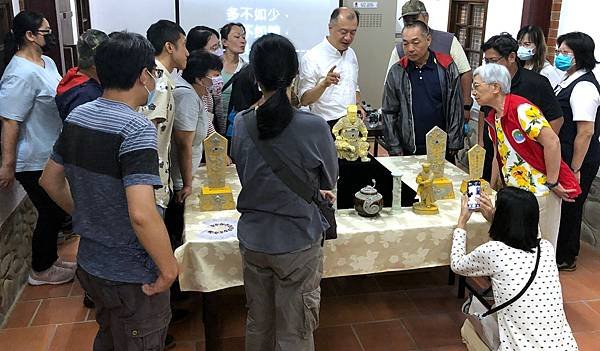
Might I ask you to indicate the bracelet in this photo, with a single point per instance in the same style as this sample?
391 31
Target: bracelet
577 170
551 185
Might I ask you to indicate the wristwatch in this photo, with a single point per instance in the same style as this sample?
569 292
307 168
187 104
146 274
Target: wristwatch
551 185
468 106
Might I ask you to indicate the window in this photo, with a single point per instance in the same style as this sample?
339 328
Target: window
467 22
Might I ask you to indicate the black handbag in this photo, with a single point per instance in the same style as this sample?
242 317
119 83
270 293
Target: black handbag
301 188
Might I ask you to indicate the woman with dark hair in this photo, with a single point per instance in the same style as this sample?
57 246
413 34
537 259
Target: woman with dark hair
579 96
204 38
233 39
30 126
537 319
280 233
532 53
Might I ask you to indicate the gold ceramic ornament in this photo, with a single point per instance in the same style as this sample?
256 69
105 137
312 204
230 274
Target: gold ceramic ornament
350 135
426 204
476 156
436 157
216 195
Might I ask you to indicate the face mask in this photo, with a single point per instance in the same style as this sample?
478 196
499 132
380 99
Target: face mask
525 54
50 42
217 84
563 62
218 52
151 95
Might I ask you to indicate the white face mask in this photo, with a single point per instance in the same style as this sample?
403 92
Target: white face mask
218 52
525 53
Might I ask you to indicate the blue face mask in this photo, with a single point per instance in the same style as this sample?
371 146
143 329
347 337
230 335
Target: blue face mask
151 94
525 54
563 62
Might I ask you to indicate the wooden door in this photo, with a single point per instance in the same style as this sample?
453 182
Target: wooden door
48 9
6 16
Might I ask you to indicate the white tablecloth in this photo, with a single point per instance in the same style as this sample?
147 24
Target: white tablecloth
393 241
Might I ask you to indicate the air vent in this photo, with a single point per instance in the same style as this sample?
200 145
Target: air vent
371 20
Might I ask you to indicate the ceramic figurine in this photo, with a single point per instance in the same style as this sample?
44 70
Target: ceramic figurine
426 205
368 202
350 135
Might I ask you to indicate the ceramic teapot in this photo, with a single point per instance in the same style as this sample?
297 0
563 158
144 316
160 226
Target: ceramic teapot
368 202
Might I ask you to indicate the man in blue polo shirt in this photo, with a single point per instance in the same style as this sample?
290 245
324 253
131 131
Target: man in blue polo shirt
422 91
108 153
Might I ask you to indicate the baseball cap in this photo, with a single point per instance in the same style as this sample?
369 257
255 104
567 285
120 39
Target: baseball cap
413 7
87 44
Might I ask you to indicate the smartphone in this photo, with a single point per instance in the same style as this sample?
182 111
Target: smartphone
473 192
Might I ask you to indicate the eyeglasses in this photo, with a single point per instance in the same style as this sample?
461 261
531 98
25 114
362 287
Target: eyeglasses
492 59
476 85
566 53
44 31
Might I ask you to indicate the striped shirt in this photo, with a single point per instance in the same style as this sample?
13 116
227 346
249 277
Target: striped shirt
105 146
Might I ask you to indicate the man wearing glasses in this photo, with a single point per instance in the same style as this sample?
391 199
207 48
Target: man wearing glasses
502 49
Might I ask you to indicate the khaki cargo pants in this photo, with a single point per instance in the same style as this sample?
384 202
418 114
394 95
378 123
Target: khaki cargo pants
283 298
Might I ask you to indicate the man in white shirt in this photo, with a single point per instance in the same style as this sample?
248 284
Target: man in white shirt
329 71
443 42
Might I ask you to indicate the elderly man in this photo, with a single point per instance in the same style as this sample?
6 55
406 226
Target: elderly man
526 149
329 71
421 91
443 42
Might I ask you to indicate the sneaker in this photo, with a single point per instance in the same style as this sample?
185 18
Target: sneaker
87 301
54 275
567 267
169 342
65 264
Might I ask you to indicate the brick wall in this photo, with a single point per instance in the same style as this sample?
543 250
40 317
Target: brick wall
553 29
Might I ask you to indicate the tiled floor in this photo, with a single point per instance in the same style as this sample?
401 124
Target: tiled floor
405 311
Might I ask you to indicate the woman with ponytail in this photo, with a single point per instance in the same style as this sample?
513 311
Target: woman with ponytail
280 233
30 126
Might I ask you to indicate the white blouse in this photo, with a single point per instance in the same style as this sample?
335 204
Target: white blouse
537 320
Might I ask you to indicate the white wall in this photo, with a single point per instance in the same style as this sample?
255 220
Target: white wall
582 16
503 16
132 15
15 7
438 13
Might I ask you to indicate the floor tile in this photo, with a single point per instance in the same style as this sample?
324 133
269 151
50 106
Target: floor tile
587 341
22 314
343 310
573 290
74 336
384 336
27 339
38 292
355 285
336 339
390 305
76 290
184 346
421 278
60 310
581 317
437 300
438 330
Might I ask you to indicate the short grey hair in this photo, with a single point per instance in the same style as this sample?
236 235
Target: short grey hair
345 12
494 73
